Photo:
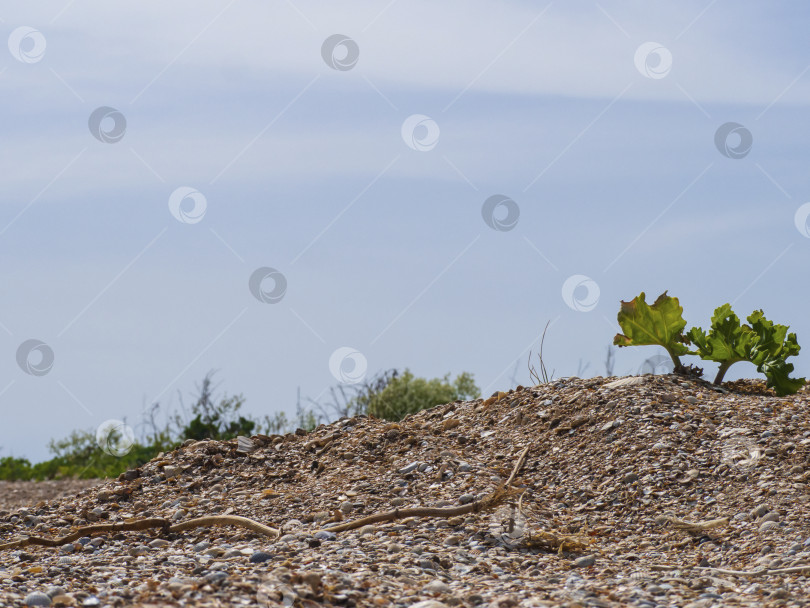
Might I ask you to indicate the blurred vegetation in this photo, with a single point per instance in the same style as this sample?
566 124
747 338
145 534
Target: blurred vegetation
405 395
89 454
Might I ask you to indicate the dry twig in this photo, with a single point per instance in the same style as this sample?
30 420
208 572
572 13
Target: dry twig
692 527
502 493
144 524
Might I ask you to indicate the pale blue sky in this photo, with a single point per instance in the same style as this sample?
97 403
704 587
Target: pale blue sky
303 168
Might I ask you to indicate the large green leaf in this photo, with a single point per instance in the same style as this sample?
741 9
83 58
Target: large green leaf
763 343
661 324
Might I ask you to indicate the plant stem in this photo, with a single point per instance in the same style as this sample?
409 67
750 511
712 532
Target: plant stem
722 371
675 360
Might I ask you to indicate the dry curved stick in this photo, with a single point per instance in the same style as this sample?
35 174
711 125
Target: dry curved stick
692 527
503 492
761 572
494 499
518 465
145 524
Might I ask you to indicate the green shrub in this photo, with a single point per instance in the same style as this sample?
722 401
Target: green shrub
404 395
14 469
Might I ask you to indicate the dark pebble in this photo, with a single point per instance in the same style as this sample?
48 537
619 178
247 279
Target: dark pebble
260 557
216 578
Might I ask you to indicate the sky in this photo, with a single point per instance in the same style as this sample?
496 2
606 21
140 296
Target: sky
301 194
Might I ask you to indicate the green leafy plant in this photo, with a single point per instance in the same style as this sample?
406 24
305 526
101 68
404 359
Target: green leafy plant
765 344
661 324
405 394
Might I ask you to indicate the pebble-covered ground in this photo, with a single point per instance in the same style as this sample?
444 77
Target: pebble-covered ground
649 491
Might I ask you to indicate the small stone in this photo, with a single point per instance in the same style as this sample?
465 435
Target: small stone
325 535
759 511
130 475
453 540
171 471
436 586
159 543
584 561
138 550
216 578
346 507
630 478
429 604
96 514
466 498
260 557
772 516
409 468
367 530
464 467
105 496
37 598
179 514
201 546
91 602
397 502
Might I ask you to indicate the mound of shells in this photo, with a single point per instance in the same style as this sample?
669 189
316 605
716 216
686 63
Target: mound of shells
641 491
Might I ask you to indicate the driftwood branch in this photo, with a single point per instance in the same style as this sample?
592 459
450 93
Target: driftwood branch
759 572
692 527
144 524
503 492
